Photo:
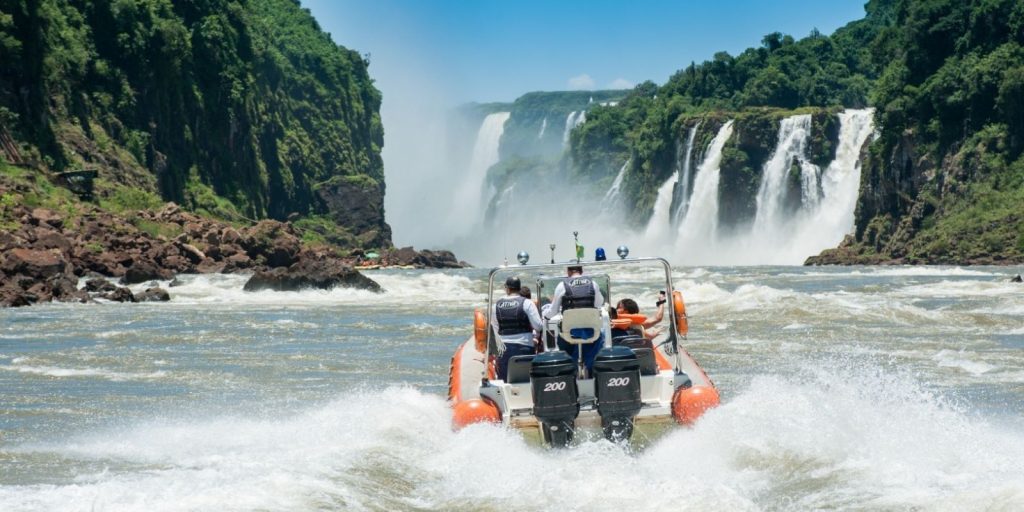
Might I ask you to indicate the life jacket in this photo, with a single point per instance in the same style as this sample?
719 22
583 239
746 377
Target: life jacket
512 318
579 293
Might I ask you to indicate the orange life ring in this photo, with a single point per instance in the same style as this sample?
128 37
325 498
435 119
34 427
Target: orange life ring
682 325
480 330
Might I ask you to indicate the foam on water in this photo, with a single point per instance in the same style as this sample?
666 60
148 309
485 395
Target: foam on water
399 287
838 437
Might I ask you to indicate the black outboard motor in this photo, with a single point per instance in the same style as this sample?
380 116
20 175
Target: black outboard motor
555 396
617 386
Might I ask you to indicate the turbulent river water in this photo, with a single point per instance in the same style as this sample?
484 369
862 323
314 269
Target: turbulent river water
863 388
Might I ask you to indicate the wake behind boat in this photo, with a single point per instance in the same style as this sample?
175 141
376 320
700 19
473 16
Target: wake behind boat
634 382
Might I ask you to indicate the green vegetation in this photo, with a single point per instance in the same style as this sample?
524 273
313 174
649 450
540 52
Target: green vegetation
236 107
946 78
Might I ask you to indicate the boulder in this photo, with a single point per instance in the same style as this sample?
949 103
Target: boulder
43 216
98 285
155 294
311 273
1017 279
34 263
142 271
119 295
276 243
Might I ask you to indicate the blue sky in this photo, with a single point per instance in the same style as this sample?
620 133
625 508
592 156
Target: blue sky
495 51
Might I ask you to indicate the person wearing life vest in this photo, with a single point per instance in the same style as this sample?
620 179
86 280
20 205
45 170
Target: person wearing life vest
577 291
514 319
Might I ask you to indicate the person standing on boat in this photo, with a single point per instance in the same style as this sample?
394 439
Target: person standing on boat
514 318
577 291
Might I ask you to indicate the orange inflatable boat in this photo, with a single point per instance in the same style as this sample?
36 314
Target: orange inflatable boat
636 385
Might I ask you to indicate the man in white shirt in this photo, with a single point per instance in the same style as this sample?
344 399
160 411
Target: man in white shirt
514 319
577 291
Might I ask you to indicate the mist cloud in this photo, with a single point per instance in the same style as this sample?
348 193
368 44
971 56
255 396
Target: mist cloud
581 82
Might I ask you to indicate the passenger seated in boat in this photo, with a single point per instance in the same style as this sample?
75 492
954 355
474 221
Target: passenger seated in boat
620 329
646 328
577 291
514 319
526 293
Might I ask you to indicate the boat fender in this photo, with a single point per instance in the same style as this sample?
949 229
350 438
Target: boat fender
682 325
476 410
688 404
480 330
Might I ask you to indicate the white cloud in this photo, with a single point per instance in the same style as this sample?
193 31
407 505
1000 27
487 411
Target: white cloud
621 83
582 82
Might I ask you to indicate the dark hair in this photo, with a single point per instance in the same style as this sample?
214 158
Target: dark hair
612 313
525 292
630 306
575 268
512 283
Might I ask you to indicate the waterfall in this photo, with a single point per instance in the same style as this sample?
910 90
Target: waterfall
470 200
543 128
828 197
573 120
684 192
610 200
830 219
658 224
771 197
700 224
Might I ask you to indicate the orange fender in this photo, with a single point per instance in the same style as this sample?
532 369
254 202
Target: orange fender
689 403
682 325
472 411
480 330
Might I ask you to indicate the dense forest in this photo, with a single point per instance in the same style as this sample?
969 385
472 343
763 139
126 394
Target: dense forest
235 108
945 180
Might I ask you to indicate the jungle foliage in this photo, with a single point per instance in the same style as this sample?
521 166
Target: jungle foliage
247 100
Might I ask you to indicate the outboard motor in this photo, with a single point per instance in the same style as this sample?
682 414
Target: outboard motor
617 386
555 396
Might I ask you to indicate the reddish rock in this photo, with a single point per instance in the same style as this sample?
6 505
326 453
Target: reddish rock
42 216
142 271
34 263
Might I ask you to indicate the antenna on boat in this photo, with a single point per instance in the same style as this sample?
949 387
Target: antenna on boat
552 246
579 248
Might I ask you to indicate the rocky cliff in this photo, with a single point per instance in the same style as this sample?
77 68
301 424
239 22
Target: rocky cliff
236 108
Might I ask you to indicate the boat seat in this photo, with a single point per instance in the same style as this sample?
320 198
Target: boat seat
633 341
648 364
581 326
519 369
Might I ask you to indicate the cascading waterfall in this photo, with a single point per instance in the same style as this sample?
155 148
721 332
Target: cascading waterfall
543 128
658 224
573 120
824 223
613 192
471 199
684 193
771 197
700 225
828 198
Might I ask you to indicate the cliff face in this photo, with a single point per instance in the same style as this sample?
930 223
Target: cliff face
945 181
236 107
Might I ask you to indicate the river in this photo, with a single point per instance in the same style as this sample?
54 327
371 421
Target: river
853 388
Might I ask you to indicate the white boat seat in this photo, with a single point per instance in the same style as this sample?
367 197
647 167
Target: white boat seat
581 326
519 369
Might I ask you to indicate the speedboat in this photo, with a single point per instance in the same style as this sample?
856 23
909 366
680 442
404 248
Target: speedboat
636 388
